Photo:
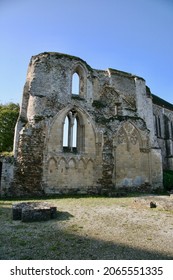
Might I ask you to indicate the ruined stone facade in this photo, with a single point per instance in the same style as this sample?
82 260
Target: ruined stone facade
104 136
163 124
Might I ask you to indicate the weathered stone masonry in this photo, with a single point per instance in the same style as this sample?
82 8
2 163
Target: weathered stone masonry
101 138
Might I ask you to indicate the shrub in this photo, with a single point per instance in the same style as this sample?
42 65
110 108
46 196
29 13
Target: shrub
168 179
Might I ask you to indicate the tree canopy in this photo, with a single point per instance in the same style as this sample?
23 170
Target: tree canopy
8 118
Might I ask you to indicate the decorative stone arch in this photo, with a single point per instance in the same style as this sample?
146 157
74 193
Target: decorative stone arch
89 162
73 169
52 159
62 159
86 128
52 165
72 163
131 156
81 164
81 71
128 132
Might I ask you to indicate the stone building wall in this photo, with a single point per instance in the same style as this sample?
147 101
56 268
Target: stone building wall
163 118
99 139
6 175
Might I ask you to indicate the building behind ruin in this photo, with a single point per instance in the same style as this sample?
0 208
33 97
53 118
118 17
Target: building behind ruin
83 130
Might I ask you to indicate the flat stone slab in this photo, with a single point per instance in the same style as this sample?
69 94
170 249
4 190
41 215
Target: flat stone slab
33 211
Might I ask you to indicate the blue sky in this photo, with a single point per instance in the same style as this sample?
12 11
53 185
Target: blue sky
135 36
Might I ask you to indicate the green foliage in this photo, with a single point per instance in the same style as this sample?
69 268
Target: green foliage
8 117
168 179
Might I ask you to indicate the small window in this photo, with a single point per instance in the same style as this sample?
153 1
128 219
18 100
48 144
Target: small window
75 84
156 125
168 128
172 129
159 127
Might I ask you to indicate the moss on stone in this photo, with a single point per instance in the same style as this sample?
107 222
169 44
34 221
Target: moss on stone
98 104
6 154
38 118
58 55
77 97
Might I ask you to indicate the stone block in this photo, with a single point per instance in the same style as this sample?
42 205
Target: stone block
17 210
33 211
36 215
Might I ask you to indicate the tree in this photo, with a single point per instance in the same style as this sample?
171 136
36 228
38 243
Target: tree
8 118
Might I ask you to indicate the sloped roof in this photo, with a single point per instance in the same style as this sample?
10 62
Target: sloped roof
161 102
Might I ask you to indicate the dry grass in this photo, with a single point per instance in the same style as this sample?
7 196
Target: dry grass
90 228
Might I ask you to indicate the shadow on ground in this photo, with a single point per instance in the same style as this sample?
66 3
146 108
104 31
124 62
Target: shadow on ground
50 241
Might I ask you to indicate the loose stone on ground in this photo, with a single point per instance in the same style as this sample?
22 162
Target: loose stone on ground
33 211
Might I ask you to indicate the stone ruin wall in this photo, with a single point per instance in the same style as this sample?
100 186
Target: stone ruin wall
6 175
163 123
117 148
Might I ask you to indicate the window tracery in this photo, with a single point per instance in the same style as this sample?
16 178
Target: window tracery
73 133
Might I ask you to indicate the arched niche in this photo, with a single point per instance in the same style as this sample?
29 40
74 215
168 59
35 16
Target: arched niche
131 157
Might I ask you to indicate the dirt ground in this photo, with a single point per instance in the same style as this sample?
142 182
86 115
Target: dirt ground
92 228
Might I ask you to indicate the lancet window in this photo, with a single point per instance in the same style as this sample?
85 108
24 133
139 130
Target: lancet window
78 81
75 84
157 122
73 133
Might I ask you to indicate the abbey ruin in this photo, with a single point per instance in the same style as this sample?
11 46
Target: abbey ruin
87 131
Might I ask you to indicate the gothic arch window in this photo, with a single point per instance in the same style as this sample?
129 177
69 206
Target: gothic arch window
167 123
170 128
73 133
78 81
156 125
159 128
75 84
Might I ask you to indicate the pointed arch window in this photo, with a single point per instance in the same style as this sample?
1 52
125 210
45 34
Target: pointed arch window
156 125
72 133
75 84
159 127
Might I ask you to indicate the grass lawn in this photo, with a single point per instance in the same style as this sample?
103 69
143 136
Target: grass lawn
89 228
